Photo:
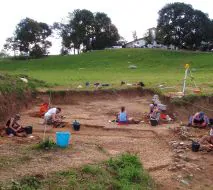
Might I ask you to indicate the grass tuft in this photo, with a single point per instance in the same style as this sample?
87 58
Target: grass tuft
47 144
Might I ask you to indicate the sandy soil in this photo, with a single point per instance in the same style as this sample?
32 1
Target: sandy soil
99 139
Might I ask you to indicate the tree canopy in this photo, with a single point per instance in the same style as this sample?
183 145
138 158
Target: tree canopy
87 29
181 25
30 37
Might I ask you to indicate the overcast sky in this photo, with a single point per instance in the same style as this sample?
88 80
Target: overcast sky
127 15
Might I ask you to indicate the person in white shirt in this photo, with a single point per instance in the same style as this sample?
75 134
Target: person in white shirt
52 117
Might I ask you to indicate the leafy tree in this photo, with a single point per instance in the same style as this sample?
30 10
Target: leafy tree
30 37
134 35
65 31
92 31
150 35
11 44
180 25
3 54
81 24
105 33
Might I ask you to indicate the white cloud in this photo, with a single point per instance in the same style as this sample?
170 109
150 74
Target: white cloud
126 15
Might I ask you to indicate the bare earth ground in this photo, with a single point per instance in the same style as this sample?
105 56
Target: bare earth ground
99 139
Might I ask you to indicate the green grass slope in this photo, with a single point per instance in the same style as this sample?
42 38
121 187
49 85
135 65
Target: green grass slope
111 66
122 173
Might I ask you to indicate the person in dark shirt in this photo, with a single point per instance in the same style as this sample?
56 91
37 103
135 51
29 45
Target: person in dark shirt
13 128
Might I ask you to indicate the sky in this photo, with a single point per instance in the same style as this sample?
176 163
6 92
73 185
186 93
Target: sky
127 15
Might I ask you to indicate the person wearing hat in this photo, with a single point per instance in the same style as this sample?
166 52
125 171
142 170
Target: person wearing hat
199 120
13 128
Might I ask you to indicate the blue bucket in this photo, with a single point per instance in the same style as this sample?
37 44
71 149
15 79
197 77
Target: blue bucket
62 139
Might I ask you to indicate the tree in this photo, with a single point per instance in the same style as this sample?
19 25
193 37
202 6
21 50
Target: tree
134 35
88 30
105 33
81 25
3 54
180 25
30 38
11 44
150 35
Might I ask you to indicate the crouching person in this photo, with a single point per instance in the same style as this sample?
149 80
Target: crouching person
206 142
199 120
13 128
52 117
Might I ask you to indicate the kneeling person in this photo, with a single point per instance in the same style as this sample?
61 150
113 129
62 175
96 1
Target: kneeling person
51 117
199 120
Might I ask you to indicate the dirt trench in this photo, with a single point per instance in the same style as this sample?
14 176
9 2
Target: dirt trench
12 103
98 138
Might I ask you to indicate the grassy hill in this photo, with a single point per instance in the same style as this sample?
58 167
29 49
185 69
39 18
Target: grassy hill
154 67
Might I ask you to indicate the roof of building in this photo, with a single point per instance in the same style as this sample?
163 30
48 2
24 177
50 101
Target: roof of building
134 41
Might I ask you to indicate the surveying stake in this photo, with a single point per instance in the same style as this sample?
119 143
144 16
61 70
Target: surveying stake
188 74
45 127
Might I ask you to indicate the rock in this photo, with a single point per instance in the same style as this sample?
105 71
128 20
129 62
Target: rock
183 157
192 166
180 166
174 145
185 170
192 159
24 80
180 151
184 182
173 168
181 143
132 67
177 160
171 142
179 176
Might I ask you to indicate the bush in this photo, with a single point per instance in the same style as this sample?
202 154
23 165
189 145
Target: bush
47 144
26 183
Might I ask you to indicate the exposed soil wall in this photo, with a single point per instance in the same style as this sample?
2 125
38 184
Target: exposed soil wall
72 97
13 103
183 108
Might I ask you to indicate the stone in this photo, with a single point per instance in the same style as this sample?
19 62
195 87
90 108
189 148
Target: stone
172 142
173 168
180 166
184 182
180 151
175 144
177 160
179 176
132 67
